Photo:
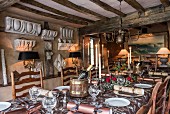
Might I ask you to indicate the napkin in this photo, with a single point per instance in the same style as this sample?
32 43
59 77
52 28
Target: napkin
87 109
42 91
129 89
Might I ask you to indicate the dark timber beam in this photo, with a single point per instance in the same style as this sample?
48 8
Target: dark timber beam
48 15
37 4
165 3
79 8
108 8
151 16
7 3
135 5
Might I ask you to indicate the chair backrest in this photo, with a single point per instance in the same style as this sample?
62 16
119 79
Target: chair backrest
161 97
167 110
94 73
149 108
67 74
22 82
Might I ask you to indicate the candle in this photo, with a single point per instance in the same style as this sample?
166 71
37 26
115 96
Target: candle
102 50
100 66
96 56
91 52
108 53
88 52
128 61
130 56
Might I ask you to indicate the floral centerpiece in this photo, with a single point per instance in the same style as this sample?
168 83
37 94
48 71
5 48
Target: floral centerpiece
110 82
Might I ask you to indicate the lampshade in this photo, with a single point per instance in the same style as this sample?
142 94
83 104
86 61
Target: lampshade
28 55
163 51
74 54
123 52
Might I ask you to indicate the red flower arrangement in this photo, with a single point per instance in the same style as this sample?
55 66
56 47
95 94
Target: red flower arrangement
108 79
129 78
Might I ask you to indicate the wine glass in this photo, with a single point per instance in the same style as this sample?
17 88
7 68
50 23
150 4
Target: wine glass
49 103
34 93
93 91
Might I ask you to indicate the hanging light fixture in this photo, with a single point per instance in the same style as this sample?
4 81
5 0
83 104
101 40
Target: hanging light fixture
121 33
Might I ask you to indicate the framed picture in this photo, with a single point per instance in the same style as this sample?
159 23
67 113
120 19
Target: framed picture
148 43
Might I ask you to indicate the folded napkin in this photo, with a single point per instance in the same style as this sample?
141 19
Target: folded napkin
87 109
43 92
129 89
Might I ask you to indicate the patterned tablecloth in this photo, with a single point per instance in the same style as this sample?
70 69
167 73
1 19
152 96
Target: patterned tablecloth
22 105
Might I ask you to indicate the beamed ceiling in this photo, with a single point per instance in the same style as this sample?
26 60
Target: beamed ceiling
92 15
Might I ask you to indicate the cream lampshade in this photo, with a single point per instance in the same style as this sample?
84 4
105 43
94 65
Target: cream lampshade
164 56
124 54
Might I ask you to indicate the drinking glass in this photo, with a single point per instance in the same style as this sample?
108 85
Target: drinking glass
93 91
49 103
34 93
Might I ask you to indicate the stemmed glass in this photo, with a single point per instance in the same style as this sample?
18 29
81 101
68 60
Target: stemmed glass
34 93
93 91
56 93
49 103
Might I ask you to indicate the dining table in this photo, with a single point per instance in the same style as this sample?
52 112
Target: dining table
25 106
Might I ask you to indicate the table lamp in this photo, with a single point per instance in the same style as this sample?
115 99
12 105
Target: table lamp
123 53
163 52
28 56
75 55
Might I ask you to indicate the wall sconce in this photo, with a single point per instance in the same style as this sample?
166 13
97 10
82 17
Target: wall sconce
75 55
29 57
163 52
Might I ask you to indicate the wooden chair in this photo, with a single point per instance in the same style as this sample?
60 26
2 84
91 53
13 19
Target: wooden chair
67 74
150 106
21 82
94 73
168 105
160 105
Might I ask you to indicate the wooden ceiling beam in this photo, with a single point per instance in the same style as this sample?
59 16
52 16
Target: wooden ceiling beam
37 4
129 21
108 8
165 3
48 14
7 3
79 8
135 5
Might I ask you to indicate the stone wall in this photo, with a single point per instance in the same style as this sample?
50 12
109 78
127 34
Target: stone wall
11 56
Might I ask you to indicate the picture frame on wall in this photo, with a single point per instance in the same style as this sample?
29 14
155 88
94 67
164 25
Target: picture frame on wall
148 43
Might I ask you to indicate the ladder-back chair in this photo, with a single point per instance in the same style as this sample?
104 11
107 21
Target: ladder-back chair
149 107
67 74
22 82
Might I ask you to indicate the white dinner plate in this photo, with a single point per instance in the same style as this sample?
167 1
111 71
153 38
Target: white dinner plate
120 102
4 105
144 86
63 87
